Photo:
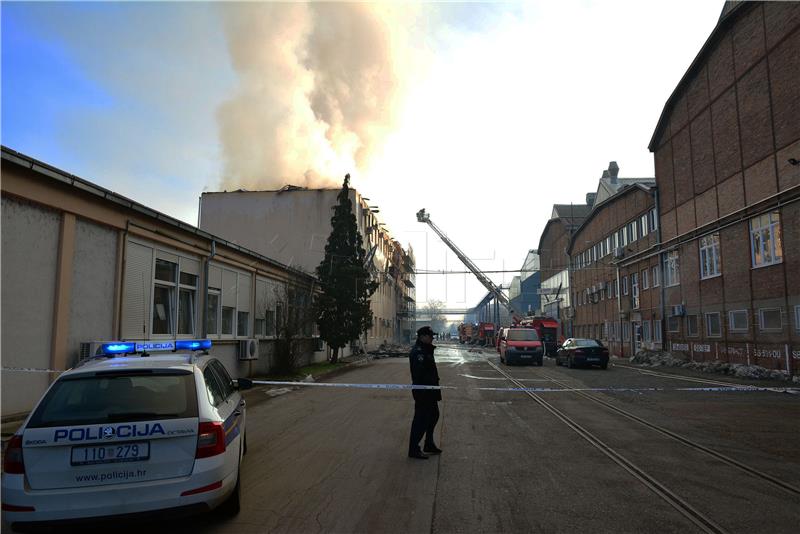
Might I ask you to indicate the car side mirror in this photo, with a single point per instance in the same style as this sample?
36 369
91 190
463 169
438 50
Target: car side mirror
244 383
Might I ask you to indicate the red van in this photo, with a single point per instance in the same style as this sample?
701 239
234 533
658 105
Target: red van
521 346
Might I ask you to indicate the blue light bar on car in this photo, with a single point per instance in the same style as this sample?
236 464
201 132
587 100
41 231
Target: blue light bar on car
193 344
117 347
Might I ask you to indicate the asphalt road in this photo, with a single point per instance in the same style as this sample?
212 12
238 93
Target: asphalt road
334 460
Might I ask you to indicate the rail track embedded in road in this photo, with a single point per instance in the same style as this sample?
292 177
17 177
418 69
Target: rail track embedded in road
695 516
785 486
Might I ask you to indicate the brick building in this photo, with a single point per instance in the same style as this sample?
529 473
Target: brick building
616 299
726 148
554 261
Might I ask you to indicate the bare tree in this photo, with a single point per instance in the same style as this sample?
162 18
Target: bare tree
434 309
294 322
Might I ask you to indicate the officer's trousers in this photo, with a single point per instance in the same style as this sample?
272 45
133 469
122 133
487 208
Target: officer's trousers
426 415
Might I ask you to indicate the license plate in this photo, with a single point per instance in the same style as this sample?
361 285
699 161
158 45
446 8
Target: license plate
526 356
104 454
592 359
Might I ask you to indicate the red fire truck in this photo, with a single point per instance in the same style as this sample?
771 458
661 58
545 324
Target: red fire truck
547 328
486 334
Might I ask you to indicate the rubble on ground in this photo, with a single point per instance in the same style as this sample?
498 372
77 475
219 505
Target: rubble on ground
650 358
390 350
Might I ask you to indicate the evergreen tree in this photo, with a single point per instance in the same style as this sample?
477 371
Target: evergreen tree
342 308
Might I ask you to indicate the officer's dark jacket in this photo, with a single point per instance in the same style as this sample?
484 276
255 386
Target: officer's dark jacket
424 373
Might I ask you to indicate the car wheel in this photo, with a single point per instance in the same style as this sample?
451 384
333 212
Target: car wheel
232 504
569 363
558 362
604 366
540 362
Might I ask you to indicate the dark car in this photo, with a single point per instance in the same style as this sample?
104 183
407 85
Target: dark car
577 351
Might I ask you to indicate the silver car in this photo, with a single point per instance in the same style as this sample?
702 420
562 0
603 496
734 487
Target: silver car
129 434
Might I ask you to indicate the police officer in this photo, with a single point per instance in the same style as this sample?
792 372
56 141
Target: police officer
426 409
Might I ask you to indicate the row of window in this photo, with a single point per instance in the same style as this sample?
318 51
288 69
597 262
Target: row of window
630 232
767 320
610 289
174 287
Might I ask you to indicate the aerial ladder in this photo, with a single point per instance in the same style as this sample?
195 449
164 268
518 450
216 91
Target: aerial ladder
482 278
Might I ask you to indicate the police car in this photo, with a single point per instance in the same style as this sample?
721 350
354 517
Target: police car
141 428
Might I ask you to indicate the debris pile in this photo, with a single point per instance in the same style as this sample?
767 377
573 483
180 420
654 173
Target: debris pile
650 358
390 350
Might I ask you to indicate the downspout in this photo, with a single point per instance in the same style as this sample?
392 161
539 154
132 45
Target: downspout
660 263
205 287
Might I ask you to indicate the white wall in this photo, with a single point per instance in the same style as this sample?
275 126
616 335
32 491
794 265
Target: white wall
30 237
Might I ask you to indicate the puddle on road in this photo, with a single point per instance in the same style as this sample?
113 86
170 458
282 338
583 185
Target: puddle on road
454 356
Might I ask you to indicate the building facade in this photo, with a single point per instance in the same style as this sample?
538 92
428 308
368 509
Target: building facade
293 224
726 149
82 264
617 299
554 263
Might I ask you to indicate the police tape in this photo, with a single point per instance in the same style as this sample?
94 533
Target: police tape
33 369
519 390
340 385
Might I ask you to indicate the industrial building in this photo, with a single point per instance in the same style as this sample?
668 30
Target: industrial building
292 224
82 264
618 304
726 151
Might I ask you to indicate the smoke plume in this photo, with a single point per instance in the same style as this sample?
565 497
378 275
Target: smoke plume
319 84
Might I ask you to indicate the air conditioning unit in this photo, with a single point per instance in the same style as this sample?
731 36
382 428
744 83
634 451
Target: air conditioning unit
89 349
619 252
248 349
678 310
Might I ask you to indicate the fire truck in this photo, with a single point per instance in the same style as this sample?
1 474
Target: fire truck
486 334
547 328
465 332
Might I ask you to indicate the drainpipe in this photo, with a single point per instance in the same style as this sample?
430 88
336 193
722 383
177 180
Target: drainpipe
660 274
205 287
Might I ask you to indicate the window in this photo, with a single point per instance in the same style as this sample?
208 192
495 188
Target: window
770 319
242 323
646 331
657 330
713 325
635 289
621 237
626 331
186 303
672 275
653 217
692 326
213 388
643 224
609 245
624 285
709 256
225 380
227 320
655 277
164 297
212 318
673 324
765 240
737 320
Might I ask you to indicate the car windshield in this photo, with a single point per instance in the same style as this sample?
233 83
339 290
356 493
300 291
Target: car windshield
586 343
523 335
107 398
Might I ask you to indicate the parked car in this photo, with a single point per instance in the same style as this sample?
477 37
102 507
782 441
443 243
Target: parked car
129 434
579 351
521 346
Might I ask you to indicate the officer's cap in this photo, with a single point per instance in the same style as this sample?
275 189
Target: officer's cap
425 331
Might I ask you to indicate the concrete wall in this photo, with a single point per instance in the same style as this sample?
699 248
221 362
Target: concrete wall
94 266
291 227
30 240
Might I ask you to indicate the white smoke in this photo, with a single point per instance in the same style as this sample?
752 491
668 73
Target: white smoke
319 86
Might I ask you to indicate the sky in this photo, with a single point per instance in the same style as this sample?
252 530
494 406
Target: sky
485 114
